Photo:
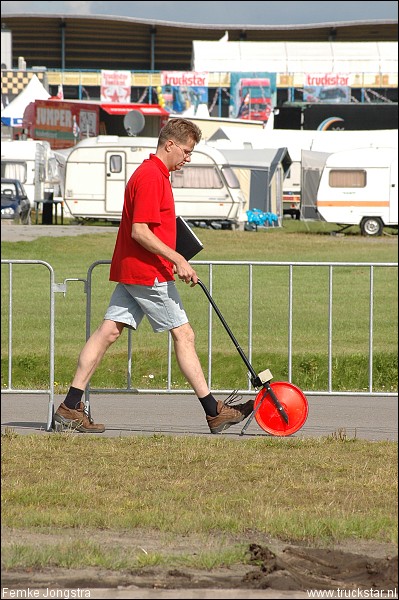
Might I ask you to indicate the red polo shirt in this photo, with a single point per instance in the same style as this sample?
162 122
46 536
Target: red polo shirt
148 199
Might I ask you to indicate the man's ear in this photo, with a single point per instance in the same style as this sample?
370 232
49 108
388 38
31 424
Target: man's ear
168 145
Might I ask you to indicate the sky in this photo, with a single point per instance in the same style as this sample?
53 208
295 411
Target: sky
218 13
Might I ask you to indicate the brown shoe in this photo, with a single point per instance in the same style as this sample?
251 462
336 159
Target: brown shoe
76 420
229 415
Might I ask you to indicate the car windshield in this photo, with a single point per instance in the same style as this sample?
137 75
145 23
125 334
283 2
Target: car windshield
8 189
258 92
12 189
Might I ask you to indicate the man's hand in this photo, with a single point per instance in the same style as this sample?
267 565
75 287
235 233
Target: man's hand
185 272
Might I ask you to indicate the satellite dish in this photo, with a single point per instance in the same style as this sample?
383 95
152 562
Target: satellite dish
134 122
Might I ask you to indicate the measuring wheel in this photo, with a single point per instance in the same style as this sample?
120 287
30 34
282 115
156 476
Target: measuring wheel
292 400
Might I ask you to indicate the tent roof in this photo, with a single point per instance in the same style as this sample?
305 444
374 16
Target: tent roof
296 57
297 139
99 41
14 112
266 159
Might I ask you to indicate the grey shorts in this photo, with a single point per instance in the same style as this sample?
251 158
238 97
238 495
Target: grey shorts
161 304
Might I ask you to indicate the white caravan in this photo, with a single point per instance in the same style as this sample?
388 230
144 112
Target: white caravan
360 188
96 170
34 164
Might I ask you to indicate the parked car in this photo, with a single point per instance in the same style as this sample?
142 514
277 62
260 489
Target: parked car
15 203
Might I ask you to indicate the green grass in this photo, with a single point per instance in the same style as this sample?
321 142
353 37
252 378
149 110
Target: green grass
296 241
84 553
300 490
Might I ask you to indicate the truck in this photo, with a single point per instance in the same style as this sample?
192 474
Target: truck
34 164
360 187
254 99
96 171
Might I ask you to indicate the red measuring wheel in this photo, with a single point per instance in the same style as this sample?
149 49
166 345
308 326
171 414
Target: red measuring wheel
294 402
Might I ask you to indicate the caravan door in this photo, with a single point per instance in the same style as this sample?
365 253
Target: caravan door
115 173
393 196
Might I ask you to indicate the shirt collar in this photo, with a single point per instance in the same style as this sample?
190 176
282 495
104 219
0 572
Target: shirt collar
160 164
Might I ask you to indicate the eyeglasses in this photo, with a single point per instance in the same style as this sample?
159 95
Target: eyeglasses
186 153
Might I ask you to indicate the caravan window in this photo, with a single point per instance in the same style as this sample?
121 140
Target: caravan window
230 177
14 170
115 163
348 178
197 178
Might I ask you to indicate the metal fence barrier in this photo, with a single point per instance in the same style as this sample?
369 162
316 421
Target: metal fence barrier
250 266
9 389
290 266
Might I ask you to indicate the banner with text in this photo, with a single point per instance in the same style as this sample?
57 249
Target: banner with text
115 86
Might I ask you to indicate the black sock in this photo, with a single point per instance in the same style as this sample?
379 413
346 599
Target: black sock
73 397
209 405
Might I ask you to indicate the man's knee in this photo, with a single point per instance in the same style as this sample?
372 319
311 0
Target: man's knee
110 331
184 333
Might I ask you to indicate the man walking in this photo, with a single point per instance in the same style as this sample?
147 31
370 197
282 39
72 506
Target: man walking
144 266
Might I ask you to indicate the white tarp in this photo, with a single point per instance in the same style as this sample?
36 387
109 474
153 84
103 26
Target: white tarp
12 114
296 57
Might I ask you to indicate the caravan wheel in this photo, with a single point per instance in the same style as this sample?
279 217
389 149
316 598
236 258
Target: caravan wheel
371 226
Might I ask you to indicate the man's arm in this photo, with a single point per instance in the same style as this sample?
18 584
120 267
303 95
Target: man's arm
143 235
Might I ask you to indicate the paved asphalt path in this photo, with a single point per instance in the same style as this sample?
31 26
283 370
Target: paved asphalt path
368 418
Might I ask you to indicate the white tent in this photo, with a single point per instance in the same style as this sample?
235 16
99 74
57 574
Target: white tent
260 173
13 114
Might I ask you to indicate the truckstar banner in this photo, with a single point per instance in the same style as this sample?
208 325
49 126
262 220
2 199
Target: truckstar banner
115 86
327 87
182 91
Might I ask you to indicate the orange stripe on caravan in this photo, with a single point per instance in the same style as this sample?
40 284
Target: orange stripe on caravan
352 203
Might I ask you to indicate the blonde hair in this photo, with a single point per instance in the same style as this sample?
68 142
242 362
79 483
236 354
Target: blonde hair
181 130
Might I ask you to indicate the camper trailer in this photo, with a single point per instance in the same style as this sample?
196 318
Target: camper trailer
34 164
96 171
360 187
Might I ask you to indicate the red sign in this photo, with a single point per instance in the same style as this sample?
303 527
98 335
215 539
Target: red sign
61 123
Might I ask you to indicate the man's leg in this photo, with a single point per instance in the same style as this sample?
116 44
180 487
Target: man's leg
219 415
187 359
94 350
71 413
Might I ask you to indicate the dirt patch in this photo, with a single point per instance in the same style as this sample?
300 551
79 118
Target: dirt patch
272 564
322 569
